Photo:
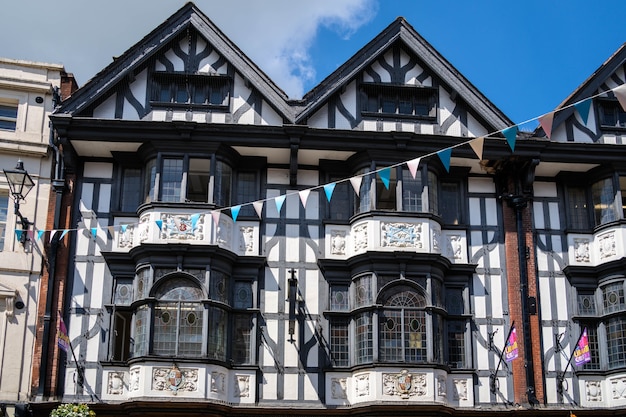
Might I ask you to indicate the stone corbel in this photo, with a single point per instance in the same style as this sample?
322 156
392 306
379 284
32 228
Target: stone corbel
9 296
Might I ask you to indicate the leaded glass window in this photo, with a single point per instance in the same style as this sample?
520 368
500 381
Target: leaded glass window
613 297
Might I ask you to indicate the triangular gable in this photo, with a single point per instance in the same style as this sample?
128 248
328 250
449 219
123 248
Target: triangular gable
593 85
189 17
401 31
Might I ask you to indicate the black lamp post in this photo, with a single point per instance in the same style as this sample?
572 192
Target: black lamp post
20 184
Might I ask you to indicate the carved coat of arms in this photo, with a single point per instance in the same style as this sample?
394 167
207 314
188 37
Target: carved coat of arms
403 382
174 378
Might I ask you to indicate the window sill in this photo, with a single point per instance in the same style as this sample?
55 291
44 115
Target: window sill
396 116
189 106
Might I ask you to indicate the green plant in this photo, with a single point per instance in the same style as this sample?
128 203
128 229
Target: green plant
72 410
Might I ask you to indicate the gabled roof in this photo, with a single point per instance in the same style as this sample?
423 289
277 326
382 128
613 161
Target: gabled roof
591 85
401 30
188 16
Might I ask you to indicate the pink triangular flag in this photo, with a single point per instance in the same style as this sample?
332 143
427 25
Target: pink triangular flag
620 93
546 123
477 146
258 207
413 164
216 217
304 195
356 184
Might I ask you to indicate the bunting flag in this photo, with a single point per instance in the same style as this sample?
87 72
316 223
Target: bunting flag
328 189
215 214
356 184
123 228
445 155
159 224
510 133
64 233
384 175
279 202
583 109
413 164
40 234
62 337
94 232
18 234
194 220
620 93
546 123
304 196
234 211
582 354
477 146
52 233
511 350
258 207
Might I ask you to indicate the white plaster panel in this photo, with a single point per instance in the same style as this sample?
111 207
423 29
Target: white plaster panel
277 176
561 294
310 387
480 185
271 290
312 206
82 243
312 291
309 254
369 125
480 306
427 129
270 116
308 177
548 343
320 118
312 358
555 218
292 244
78 290
389 126
292 206
474 211
491 209
291 386
106 110
290 351
93 343
408 127
104 201
476 239
271 211
218 117
269 386
544 189
497 297
482 354
542 262
474 128
546 300
98 170
247 117
96 288
538 215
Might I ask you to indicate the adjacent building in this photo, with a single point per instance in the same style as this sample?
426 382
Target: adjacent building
388 244
29 92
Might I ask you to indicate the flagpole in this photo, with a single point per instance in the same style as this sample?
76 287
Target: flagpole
494 375
560 376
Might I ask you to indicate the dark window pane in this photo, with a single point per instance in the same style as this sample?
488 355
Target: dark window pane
339 343
242 338
4 205
171 178
8 116
223 179
339 205
131 189
456 344
198 180
603 197
450 202
247 192
616 342
577 208
412 191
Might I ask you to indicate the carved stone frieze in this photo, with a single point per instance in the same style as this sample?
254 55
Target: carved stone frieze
581 250
360 237
401 235
436 240
454 247
404 384
144 228
441 387
242 386
224 229
593 390
338 388
218 382
174 379
133 384
338 242
606 244
246 245
362 385
182 226
460 389
125 236
618 386
115 383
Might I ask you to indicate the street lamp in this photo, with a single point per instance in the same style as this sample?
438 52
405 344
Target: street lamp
20 184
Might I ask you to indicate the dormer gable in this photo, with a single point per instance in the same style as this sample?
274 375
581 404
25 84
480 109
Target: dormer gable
185 69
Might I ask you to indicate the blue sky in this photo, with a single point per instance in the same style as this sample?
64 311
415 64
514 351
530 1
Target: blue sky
525 56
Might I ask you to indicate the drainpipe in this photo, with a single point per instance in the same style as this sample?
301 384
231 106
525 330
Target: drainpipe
58 184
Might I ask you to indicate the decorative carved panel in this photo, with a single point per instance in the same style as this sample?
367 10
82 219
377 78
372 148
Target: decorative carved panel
401 235
338 387
593 390
133 384
218 382
125 236
360 237
606 243
174 379
242 386
182 226
404 384
581 250
454 247
144 228
115 383
618 387
441 387
338 242
460 389
246 245
362 385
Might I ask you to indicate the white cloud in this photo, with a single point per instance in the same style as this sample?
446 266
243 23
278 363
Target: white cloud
85 35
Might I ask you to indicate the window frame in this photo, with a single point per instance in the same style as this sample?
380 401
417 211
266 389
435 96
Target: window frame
172 84
375 96
9 112
610 107
4 217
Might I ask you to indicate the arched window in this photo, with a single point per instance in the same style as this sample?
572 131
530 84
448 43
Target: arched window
403 329
178 319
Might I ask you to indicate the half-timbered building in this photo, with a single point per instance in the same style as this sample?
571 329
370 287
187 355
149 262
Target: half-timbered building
369 249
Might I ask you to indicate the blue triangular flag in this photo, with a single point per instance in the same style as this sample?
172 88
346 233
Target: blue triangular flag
18 234
194 220
159 224
64 233
94 231
279 202
123 228
234 211
445 155
510 133
583 109
328 189
40 234
385 174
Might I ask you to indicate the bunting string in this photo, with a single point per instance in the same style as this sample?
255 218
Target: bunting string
510 134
